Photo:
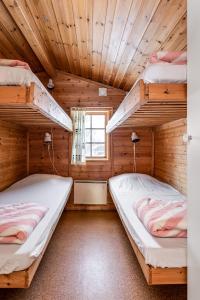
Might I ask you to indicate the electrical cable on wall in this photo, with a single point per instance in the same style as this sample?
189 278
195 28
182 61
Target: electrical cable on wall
134 160
134 139
48 140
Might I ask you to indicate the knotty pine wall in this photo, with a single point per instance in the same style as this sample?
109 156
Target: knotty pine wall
13 154
121 160
72 91
170 154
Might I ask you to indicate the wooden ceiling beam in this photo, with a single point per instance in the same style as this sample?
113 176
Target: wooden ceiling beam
23 18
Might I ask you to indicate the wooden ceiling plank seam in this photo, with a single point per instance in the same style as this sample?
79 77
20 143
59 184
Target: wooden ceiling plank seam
119 24
42 14
89 11
135 7
175 38
80 20
6 46
38 23
108 30
163 22
140 25
99 19
23 18
63 60
17 39
65 19
66 60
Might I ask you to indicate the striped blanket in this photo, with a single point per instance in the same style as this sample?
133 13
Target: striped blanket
17 221
173 57
162 218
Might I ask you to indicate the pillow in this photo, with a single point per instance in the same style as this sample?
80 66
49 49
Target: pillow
174 57
14 63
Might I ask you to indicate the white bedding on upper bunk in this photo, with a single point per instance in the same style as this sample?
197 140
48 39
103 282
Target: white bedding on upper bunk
154 73
19 76
165 73
158 252
50 190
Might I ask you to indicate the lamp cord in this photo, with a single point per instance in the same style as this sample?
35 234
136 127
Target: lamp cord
52 160
134 160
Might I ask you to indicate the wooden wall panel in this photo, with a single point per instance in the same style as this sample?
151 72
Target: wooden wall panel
121 160
122 151
170 154
39 161
72 91
13 154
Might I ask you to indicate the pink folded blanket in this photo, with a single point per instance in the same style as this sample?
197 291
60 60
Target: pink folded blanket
173 57
17 221
14 63
162 218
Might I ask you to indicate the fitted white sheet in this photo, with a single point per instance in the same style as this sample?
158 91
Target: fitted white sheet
47 105
50 190
165 73
154 73
158 252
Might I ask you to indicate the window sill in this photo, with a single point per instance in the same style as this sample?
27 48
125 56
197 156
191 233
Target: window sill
97 159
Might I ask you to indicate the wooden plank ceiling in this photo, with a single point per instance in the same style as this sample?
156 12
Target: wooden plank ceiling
108 41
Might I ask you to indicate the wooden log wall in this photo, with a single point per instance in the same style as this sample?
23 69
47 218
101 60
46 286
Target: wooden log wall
121 160
72 91
170 154
13 154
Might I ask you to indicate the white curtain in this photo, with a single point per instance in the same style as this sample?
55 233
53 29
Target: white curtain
78 145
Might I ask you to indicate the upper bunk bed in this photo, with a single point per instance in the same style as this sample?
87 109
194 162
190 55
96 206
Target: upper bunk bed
159 96
24 100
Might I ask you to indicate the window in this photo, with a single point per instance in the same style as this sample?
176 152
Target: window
95 135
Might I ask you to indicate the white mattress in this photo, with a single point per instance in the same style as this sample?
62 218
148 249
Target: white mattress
158 252
165 73
46 104
154 73
50 190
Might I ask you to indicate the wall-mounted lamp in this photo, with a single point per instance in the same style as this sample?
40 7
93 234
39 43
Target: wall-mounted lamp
134 138
47 138
48 141
50 84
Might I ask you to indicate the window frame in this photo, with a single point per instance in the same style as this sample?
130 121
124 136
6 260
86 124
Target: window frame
107 142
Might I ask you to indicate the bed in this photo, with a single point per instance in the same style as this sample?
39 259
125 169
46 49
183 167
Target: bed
163 260
25 100
18 263
158 96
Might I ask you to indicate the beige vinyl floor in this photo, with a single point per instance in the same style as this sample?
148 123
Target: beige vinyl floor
90 258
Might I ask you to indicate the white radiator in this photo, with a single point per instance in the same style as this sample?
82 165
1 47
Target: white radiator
90 192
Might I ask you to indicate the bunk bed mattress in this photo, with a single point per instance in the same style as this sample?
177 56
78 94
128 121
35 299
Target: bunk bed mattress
158 252
49 190
165 73
13 76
